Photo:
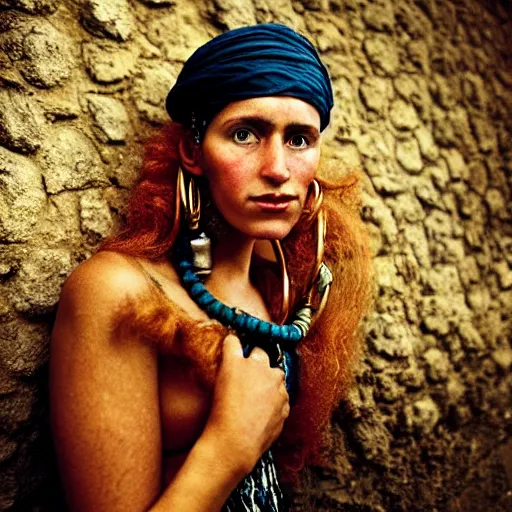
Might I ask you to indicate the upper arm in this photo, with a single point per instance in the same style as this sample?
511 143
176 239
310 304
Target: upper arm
104 394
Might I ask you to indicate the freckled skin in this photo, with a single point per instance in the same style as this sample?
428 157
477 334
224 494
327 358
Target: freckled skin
261 146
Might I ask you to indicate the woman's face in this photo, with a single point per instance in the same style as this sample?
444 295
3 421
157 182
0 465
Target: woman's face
259 156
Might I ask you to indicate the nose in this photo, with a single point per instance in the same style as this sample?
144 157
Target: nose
274 166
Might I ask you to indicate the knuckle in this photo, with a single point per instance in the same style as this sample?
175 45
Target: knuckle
259 354
231 339
232 345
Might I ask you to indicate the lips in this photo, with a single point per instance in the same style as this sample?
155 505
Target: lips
274 202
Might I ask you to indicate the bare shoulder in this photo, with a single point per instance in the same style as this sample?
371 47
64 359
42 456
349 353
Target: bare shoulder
105 277
97 289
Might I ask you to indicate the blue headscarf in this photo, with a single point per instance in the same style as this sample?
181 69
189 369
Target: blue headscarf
250 62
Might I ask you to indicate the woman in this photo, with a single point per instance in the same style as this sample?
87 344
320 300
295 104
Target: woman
169 379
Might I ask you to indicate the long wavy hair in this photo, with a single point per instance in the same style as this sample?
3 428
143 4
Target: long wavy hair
327 354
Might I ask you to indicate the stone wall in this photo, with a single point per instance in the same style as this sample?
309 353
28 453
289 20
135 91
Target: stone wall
424 103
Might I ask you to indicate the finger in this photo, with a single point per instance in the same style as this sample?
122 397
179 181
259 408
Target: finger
279 371
232 346
260 355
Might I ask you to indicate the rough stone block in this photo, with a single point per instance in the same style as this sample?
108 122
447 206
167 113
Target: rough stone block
469 203
437 364
414 20
414 89
22 124
376 211
22 197
439 174
478 180
108 63
113 19
422 416
504 272
70 170
35 289
16 408
24 347
232 13
31 6
485 133
150 90
415 236
428 148
43 54
446 90
390 338
440 314
60 223
109 116
426 192
406 208
403 115
389 185
95 217
496 203
438 225
479 299
419 53
470 337
409 156
374 93
503 358
413 377
373 438
388 389
380 16
382 54
386 274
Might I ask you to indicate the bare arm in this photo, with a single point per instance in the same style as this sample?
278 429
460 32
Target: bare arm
105 411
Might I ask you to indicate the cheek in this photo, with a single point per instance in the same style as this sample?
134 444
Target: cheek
227 178
232 178
305 171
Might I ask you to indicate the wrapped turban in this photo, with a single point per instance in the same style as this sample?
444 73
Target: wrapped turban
250 62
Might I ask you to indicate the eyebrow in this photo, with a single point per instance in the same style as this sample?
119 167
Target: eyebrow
263 123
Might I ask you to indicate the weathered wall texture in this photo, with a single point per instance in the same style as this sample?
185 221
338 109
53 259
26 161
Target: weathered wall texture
424 105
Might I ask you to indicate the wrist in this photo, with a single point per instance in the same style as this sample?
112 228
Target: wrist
221 449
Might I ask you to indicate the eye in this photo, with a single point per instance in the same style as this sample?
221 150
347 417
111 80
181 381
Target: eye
298 141
244 136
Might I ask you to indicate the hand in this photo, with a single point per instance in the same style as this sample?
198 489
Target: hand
250 404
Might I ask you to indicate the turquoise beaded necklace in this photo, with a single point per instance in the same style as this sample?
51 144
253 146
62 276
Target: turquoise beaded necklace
240 321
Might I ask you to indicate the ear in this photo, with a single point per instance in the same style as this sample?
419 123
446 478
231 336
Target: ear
190 154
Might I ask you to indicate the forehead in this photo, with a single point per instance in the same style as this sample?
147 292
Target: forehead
280 110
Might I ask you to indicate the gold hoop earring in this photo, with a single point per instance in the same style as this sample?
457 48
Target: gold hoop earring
177 208
190 199
285 304
318 273
321 277
317 200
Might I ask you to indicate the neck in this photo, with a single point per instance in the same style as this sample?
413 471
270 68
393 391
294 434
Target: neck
229 280
232 258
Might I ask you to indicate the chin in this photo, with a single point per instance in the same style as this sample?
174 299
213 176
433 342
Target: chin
273 231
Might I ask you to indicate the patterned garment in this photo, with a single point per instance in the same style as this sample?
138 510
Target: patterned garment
259 491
